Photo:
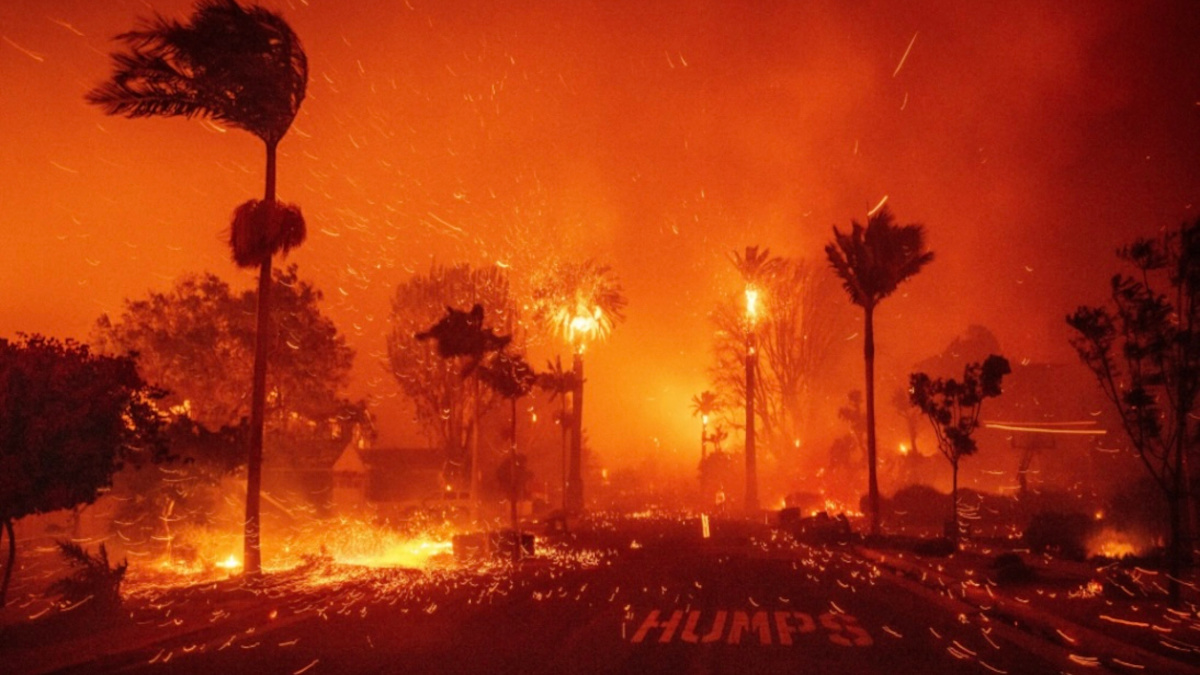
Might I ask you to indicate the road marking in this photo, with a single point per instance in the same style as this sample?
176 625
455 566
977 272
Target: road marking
740 627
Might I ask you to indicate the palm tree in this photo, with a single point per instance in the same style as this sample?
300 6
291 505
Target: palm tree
872 262
462 334
757 268
511 376
559 383
704 404
582 302
243 66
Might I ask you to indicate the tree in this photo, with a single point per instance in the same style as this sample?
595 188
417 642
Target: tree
462 335
444 403
511 377
952 408
796 328
244 67
582 303
755 267
195 340
69 419
704 405
872 262
973 345
559 383
1144 349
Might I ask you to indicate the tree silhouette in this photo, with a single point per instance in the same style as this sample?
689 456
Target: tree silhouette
196 340
798 323
1144 350
69 419
243 66
952 407
872 261
462 334
442 400
510 376
559 383
704 405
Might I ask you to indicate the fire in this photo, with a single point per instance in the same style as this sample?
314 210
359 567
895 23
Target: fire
833 506
752 304
230 563
1111 543
904 450
412 553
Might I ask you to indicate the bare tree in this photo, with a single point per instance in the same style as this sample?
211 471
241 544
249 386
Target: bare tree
798 326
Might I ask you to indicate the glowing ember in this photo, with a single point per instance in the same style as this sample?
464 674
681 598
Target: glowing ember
410 553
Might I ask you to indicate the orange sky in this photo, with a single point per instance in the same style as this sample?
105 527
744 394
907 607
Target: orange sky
657 136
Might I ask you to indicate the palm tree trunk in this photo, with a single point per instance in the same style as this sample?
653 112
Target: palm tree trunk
252 554
12 559
869 359
751 460
575 478
565 432
473 441
512 487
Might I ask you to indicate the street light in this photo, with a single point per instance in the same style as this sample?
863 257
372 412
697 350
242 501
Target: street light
751 367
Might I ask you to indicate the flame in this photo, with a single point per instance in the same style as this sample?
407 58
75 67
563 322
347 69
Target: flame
230 563
1111 543
751 303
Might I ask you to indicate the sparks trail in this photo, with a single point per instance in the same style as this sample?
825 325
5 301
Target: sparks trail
905 56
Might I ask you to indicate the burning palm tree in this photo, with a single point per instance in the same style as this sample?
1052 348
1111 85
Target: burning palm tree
243 66
704 404
757 268
581 302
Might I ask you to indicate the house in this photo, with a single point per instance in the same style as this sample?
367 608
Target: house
384 481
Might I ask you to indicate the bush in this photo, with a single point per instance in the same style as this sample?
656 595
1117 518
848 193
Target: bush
1063 534
935 548
93 578
1011 568
917 506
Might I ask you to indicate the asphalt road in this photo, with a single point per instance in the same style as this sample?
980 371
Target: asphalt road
648 597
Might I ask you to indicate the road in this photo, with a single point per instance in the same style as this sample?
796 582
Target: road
648 596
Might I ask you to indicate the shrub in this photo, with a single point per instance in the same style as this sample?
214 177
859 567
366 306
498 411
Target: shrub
1063 534
935 548
92 579
917 506
1011 568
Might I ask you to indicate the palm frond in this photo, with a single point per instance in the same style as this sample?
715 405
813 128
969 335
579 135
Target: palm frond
241 66
873 261
261 229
